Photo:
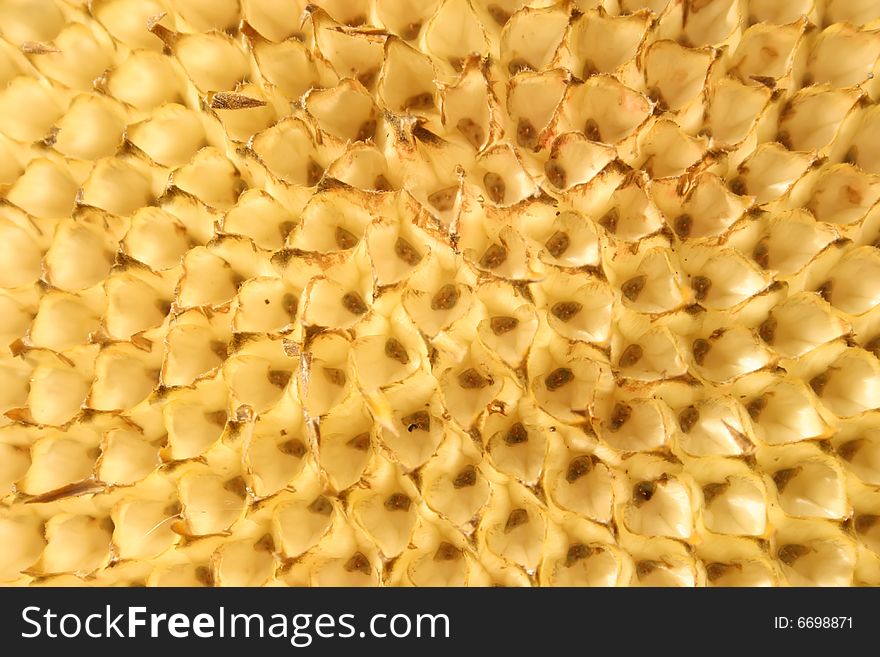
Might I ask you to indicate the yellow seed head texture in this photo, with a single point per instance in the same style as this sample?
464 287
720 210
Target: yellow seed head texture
440 292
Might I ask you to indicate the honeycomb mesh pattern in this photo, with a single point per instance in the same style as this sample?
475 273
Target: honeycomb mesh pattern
439 292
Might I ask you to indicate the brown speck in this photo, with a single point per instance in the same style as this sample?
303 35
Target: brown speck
204 576
631 355
285 227
656 96
558 378
345 239
818 383
526 135
767 330
406 252
471 379
398 502
578 467
278 378
516 518
368 78
472 131
494 256
503 324
420 420
420 101
633 287
784 138
445 298
782 477
700 349
619 416
358 563
873 345
498 14
293 447
447 552
565 310
683 225
516 435
701 286
716 570
557 244
646 567
237 485
756 406
790 553
495 186
321 506
556 173
591 130
366 131
738 186
807 80
360 442
466 478
688 418
353 303
643 492
711 491
335 376
444 199
824 290
396 351
411 30
314 171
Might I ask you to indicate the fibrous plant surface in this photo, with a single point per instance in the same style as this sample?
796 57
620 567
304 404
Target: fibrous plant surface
439 292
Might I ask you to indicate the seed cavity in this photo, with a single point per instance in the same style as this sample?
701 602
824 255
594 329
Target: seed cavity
503 324
578 467
556 174
420 101
516 518
557 378
589 69
314 171
494 257
495 186
701 348
557 244
767 330
756 406
683 225
367 130
279 378
519 65
865 522
398 502
471 379
354 303
782 477
818 383
411 31
498 14
761 255
381 184
711 491
609 220
577 552
345 239
445 298
565 310
418 421
516 435
643 492
631 355
358 563
444 199
472 131
701 286
466 478
688 418
790 553
633 287
619 416
321 506
738 186
849 449
591 130
396 351
293 447
335 376
360 442
406 252
526 135
824 290
238 486
447 552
